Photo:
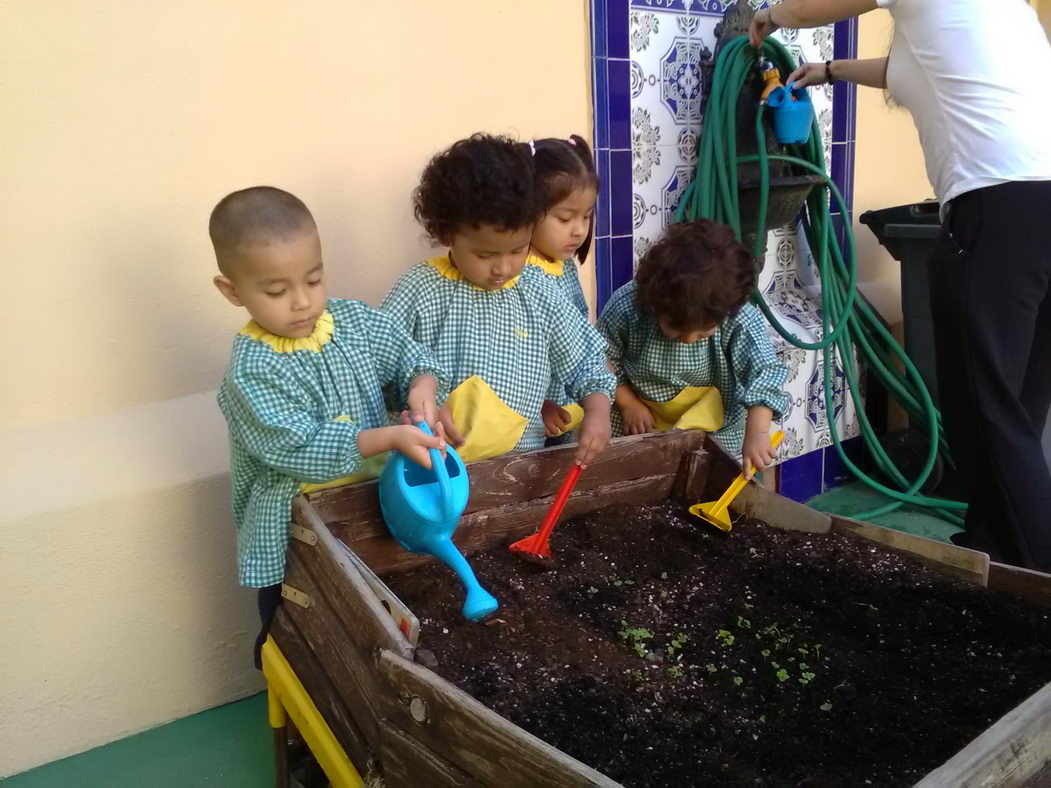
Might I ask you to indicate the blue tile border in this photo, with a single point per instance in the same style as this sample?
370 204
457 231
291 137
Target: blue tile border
617 20
619 103
620 216
801 477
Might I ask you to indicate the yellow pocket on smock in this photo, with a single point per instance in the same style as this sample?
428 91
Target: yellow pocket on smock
489 427
576 415
693 408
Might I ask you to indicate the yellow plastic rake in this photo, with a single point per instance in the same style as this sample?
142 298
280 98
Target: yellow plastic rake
716 512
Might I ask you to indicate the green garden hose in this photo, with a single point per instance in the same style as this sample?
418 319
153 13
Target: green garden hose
848 325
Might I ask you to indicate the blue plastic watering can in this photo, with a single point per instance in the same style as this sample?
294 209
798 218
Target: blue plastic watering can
422 509
793 114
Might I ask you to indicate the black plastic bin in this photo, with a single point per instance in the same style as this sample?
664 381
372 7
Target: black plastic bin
909 233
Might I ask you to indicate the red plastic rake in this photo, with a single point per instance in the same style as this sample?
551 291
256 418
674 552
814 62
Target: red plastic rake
537 546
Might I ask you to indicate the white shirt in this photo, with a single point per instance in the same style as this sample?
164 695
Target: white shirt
974 74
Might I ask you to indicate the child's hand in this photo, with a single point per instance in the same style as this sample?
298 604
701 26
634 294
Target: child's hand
415 444
638 418
756 451
421 400
556 419
594 430
445 420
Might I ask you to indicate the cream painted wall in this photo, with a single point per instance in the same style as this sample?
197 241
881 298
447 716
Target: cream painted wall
888 171
123 123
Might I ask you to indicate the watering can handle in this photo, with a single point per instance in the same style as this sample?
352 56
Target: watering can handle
441 473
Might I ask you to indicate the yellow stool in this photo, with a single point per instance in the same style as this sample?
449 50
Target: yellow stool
286 698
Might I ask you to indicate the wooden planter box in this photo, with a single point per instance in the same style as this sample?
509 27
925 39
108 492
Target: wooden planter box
419 730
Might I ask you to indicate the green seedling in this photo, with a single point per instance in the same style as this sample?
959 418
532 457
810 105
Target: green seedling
675 672
664 575
806 678
725 637
592 590
782 675
711 668
826 706
744 623
738 681
636 637
676 644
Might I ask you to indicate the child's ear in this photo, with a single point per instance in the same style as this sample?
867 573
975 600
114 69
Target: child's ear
228 289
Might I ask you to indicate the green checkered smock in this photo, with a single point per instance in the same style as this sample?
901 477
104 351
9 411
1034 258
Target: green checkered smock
294 416
521 340
738 359
566 277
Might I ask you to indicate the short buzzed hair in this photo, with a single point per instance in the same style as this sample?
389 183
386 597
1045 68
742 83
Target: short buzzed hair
256 215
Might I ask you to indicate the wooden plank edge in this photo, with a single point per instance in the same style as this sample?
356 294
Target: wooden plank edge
1026 583
348 661
476 739
312 676
693 475
490 528
780 512
407 763
950 559
532 474
330 551
1015 748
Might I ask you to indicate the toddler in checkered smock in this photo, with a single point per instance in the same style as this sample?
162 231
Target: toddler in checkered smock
310 379
501 328
566 187
689 351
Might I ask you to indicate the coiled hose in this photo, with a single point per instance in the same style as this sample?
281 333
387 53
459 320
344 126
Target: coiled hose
849 327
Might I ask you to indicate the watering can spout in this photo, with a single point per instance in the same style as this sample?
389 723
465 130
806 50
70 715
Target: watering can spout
479 602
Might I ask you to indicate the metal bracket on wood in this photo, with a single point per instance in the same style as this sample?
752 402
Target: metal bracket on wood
294 595
304 534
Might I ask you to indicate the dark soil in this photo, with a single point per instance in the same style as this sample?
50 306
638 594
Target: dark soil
663 652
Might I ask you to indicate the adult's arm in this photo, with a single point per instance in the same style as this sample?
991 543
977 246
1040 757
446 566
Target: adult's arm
871 72
804 13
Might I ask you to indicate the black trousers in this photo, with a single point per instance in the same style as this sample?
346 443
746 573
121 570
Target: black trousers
268 600
990 299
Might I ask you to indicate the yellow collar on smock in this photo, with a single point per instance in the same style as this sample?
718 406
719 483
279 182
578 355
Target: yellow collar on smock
319 337
445 266
551 267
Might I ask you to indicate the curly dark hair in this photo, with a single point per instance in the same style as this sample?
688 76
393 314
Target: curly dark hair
695 276
562 167
481 180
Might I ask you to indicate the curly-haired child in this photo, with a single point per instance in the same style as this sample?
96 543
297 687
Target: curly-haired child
310 379
501 328
689 351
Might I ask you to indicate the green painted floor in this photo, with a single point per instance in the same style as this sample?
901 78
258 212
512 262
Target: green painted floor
852 498
230 746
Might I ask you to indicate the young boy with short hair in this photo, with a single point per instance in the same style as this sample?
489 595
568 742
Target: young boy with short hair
310 380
